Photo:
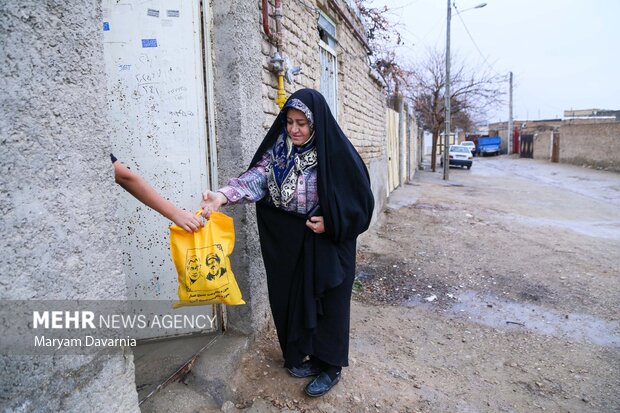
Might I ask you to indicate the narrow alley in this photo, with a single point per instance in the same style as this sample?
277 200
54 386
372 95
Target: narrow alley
496 291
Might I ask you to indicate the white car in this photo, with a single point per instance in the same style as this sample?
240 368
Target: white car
459 155
470 145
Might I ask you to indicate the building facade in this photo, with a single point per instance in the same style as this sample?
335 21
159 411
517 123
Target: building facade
325 39
183 95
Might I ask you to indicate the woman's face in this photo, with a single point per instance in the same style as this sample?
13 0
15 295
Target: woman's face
297 126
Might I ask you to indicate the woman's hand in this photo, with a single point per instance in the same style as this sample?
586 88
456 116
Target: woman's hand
212 201
186 220
316 224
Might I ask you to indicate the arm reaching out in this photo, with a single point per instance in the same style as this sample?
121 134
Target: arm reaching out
250 186
139 188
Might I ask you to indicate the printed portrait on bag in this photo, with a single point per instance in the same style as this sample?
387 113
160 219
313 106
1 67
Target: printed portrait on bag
193 267
214 266
205 268
202 263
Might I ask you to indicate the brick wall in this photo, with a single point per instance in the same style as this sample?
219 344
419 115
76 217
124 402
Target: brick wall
360 96
593 143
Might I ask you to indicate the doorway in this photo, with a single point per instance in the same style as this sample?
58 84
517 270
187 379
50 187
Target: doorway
555 146
159 106
527 146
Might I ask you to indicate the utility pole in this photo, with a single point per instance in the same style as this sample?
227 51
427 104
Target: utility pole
510 134
446 140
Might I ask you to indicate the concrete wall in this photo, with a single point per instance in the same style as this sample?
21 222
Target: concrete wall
591 143
240 123
60 239
361 97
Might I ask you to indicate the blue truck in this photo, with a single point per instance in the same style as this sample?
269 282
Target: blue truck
488 145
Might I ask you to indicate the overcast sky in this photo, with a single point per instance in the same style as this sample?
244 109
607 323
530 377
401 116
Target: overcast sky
564 54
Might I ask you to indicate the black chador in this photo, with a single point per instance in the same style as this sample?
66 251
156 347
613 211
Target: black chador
310 276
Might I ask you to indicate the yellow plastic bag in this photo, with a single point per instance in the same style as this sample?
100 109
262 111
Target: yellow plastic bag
203 267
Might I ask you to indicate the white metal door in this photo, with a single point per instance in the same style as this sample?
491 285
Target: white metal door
157 112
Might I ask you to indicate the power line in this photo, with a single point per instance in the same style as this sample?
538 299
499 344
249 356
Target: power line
458 13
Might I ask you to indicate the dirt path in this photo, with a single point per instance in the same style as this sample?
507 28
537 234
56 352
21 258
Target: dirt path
495 292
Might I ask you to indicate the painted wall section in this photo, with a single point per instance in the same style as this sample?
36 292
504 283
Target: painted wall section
58 197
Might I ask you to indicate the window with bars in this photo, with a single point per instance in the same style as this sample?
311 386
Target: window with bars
329 70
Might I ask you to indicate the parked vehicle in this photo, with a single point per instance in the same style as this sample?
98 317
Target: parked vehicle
459 156
489 145
471 145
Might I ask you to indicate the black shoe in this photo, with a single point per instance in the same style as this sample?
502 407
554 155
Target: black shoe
321 385
305 369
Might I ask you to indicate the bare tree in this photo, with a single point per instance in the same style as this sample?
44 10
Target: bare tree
424 84
470 93
383 38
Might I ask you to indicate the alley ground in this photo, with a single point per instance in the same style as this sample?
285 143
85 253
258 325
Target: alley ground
496 291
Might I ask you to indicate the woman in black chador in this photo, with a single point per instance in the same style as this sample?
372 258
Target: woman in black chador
313 199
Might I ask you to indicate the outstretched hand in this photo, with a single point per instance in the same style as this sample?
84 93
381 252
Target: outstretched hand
139 188
212 201
186 220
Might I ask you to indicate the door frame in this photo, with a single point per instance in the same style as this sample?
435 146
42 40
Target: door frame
208 76
209 73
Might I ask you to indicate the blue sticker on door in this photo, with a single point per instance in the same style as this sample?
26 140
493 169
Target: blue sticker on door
149 42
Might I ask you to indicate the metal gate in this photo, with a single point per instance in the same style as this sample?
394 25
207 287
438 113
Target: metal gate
515 140
158 118
555 147
392 149
527 146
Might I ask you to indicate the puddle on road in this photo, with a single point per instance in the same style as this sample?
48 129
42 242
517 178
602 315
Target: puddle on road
495 312
596 229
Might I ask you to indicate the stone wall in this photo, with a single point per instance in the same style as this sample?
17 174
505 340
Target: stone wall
360 94
591 143
60 237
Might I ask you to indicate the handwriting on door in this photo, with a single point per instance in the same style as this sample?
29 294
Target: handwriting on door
181 113
155 78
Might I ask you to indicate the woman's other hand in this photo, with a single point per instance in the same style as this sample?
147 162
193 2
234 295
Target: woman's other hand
212 201
316 224
186 220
